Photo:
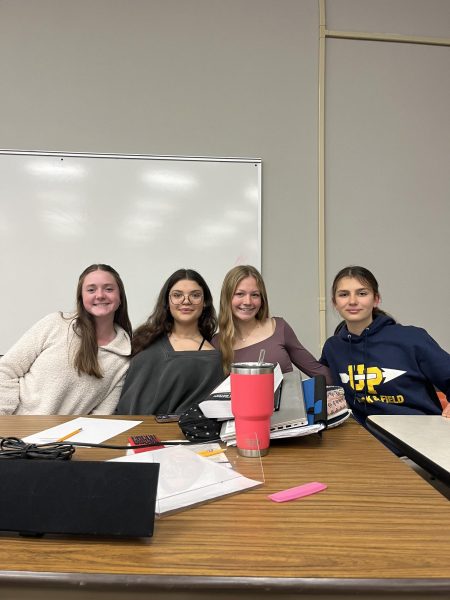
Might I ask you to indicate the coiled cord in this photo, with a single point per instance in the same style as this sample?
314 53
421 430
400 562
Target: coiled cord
12 447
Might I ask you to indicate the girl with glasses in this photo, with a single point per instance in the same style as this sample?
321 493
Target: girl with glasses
72 363
245 327
174 364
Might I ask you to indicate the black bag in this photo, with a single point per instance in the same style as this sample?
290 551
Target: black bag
198 428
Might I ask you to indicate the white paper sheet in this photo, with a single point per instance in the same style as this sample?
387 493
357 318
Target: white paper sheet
186 479
94 431
228 432
297 431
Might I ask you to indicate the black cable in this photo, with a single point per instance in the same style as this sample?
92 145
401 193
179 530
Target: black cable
12 447
110 446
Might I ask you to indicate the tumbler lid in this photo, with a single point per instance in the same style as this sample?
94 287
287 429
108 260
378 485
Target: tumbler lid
252 368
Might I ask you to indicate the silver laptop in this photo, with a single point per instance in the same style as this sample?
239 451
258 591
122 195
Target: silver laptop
292 409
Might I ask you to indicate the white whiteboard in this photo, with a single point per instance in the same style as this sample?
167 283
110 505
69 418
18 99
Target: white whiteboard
146 216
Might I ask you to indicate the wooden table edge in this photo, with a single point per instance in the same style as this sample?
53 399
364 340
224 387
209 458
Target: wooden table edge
136 582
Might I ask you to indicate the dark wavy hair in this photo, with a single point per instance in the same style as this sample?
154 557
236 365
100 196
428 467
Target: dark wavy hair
86 357
365 277
160 322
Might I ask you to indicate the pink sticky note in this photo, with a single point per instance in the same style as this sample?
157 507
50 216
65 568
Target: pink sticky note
298 492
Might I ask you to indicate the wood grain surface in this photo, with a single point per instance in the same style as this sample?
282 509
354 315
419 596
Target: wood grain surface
376 519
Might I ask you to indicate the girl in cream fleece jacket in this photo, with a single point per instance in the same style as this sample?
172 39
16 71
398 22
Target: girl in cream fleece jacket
72 363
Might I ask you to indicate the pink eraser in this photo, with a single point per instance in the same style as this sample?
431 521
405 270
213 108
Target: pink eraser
298 492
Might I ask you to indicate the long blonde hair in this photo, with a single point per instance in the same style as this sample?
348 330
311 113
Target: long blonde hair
227 327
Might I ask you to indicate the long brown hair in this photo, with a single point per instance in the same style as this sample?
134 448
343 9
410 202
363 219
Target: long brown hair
86 357
365 277
227 327
160 322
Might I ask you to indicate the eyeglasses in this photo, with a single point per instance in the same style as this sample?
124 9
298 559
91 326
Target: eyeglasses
179 297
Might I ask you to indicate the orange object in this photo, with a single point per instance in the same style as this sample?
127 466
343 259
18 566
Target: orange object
69 435
443 400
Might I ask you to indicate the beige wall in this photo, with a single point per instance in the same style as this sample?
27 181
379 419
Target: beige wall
195 77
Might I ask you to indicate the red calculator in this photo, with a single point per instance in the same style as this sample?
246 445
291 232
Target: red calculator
153 442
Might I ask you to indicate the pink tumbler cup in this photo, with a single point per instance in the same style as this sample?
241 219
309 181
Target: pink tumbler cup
252 400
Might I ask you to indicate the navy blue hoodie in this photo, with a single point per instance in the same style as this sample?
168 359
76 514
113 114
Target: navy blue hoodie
388 369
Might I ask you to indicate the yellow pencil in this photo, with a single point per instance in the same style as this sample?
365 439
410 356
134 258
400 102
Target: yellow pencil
211 452
69 435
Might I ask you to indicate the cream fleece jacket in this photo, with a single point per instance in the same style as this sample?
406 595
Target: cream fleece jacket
37 375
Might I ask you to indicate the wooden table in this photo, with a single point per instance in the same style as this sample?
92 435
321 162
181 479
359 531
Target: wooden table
379 528
425 439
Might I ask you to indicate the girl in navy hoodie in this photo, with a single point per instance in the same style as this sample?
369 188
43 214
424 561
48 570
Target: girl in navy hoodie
384 367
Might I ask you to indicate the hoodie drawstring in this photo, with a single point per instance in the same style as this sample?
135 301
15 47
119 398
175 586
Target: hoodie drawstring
365 388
